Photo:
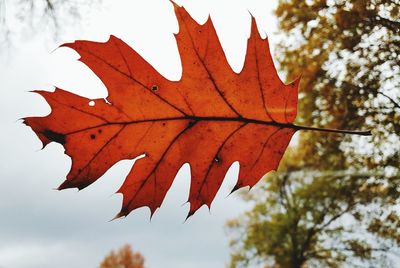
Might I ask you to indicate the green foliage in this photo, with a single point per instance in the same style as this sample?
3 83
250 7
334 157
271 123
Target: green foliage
309 219
334 199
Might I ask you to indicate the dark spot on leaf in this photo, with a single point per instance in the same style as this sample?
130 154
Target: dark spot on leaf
237 187
100 131
83 184
191 123
154 88
93 136
54 136
190 214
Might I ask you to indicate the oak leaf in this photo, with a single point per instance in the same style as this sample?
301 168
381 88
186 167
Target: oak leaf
211 118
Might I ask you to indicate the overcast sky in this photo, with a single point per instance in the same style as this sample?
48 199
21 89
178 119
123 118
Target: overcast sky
41 227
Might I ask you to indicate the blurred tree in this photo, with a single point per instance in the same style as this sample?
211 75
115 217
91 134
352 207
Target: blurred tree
123 258
317 220
335 199
17 16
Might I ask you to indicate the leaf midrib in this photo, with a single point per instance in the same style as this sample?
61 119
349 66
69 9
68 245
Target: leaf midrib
193 119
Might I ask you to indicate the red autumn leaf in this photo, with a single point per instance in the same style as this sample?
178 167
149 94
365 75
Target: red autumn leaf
211 118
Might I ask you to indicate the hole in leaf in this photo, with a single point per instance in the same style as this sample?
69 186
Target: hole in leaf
92 103
154 88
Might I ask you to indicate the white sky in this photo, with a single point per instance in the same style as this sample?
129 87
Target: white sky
41 227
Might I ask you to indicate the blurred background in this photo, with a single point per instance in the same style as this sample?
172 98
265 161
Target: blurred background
334 201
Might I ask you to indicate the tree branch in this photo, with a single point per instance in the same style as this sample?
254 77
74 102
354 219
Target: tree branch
390 99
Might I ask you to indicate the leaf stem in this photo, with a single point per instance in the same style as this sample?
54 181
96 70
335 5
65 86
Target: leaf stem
342 131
